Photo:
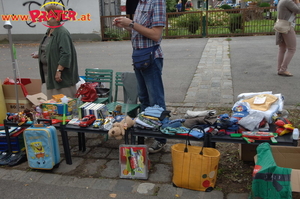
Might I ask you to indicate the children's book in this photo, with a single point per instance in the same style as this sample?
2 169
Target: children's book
133 161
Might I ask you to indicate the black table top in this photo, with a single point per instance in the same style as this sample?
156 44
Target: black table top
285 140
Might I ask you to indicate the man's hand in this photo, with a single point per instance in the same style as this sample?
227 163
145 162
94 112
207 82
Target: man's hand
122 22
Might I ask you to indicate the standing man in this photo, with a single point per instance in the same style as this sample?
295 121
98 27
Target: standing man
146 32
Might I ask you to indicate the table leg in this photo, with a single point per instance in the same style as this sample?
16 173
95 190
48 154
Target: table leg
126 136
295 142
65 141
213 145
141 140
7 139
79 141
83 142
132 139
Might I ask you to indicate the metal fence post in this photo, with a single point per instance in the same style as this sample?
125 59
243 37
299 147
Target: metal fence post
204 26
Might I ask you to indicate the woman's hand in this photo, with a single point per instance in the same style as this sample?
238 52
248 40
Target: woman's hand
58 77
35 55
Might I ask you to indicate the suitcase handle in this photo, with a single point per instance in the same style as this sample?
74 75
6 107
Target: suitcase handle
44 121
38 125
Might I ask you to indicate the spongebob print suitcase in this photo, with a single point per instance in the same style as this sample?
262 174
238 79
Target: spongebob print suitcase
42 146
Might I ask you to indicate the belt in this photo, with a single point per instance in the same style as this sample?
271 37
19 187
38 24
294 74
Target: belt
143 48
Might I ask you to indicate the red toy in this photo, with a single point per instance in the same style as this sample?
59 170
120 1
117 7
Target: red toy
259 135
87 120
283 126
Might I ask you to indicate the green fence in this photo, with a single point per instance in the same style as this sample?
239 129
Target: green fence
211 23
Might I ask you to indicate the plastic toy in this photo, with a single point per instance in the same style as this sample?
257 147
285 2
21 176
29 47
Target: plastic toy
87 120
283 126
259 135
97 123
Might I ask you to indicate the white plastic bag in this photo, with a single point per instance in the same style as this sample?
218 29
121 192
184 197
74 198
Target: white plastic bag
81 81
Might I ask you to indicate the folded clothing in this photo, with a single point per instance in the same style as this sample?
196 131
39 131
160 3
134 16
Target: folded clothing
172 123
148 122
154 111
193 114
252 121
201 120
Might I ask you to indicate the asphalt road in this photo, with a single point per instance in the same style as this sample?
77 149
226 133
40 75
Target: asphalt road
254 68
253 64
181 59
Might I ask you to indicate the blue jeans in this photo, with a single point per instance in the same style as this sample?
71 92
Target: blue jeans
151 88
150 85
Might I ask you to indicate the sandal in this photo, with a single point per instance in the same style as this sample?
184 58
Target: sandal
285 73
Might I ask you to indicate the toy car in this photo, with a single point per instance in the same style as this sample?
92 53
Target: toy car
87 120
97 123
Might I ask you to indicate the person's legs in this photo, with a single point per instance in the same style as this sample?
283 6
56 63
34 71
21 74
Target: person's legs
151 92
291 43
150 85
142 90
281 53
154 83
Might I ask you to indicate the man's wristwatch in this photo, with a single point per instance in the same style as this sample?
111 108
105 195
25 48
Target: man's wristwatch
131 25
58 70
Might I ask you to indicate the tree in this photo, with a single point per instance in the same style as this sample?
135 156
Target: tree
171 5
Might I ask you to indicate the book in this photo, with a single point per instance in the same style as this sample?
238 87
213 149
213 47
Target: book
133 161
96 111
81 109
87 109
104 111
74 121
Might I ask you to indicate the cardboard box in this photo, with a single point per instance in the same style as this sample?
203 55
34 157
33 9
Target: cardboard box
247 152
55 109
34 96
288 157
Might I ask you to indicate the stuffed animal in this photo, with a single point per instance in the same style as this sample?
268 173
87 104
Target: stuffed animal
118 129
117 111
283 126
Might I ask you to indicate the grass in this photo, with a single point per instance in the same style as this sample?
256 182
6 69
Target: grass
235 175
4 41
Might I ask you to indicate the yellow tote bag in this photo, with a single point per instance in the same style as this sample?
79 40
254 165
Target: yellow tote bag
194 167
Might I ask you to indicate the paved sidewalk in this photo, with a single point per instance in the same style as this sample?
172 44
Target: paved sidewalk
212 82
97 167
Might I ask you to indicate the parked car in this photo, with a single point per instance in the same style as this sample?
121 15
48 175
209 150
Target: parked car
87 120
